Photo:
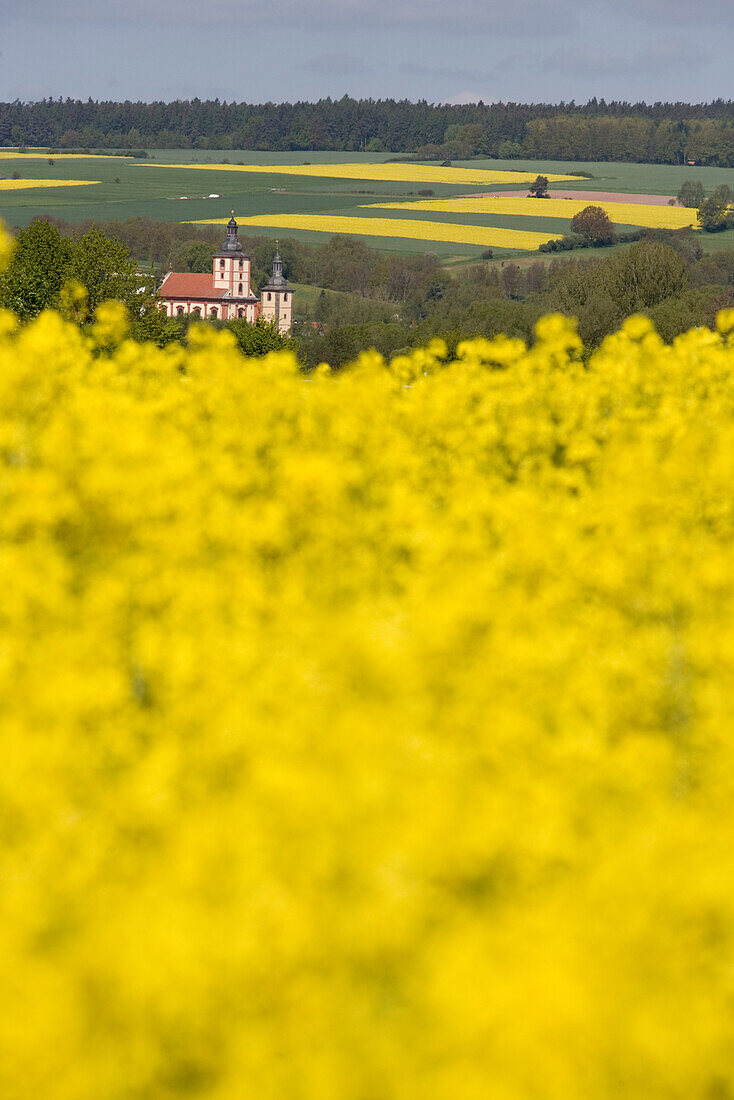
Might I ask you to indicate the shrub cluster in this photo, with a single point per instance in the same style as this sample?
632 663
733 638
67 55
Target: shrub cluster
573 241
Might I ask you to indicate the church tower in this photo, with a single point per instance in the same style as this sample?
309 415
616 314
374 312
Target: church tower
276 298
231 267
226 294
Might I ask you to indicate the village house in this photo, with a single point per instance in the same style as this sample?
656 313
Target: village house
227 294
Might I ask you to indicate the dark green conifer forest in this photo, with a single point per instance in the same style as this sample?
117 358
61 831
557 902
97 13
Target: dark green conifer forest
660 133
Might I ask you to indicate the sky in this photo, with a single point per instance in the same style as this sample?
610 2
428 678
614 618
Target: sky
444 51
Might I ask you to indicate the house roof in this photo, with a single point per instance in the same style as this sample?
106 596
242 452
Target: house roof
276 282
185 284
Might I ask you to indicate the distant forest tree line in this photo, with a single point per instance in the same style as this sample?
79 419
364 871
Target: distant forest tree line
663 133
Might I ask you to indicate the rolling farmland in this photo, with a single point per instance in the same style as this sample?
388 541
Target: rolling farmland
444 209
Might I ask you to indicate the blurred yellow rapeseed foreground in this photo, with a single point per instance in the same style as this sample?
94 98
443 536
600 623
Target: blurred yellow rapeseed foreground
366 738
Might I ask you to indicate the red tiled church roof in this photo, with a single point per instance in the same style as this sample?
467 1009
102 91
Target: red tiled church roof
183 284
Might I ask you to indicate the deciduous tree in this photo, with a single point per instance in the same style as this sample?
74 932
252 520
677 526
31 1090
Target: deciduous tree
714 213
594 225
260 338
691 194
103 265
539 188
38 270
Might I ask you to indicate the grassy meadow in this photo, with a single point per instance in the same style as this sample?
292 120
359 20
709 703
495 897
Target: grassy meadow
175 185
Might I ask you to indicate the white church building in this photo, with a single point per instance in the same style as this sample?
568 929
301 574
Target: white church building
227 293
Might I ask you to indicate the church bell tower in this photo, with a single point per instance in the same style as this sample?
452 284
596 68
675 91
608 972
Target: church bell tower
276 298
231 267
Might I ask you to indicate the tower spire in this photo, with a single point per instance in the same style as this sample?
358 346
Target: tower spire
232 243
277 296
277 263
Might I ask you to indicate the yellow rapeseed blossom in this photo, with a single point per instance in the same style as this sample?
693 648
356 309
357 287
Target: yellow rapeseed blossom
73 300
725 321
411 173
24 185
394 227
6 247
366 735
111 322
625 213
13 154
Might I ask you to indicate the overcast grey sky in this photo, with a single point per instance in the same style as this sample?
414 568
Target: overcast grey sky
440 50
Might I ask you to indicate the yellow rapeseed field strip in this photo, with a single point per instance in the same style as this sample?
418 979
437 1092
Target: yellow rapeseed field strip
395 227
21 185
624 213
10 154
369 735
410 173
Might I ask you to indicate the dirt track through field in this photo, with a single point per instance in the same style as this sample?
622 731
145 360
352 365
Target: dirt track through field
583 196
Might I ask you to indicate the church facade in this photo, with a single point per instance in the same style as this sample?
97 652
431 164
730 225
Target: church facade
227 293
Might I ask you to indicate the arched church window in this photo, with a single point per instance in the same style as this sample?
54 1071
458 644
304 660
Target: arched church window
214 312
241 265
240 290
240 313
196 310
180 311
270 296
221 263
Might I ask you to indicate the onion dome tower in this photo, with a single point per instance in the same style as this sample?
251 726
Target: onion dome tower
232 243
276 297
231 271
